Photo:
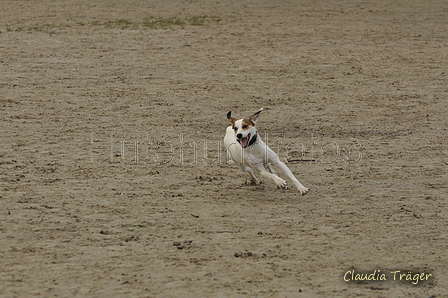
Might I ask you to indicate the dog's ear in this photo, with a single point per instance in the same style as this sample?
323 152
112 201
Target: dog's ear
254 117
229 116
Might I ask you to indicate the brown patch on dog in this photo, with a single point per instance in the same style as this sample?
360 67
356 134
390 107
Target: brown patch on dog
247 123
232 120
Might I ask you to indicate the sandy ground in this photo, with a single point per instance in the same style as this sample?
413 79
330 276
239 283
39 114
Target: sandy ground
106 107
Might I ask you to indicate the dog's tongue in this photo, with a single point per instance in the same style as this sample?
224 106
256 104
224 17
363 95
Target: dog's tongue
244 141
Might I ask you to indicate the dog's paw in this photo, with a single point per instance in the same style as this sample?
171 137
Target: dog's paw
281 184
303 190
252 183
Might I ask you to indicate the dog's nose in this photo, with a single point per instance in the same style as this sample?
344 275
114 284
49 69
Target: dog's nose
239 135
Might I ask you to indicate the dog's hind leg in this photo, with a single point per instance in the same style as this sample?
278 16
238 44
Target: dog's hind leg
302 189
270 168
253 179
278 181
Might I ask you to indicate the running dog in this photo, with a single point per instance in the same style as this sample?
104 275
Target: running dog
245 147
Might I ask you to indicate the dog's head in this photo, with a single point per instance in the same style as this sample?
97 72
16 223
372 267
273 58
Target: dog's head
244 129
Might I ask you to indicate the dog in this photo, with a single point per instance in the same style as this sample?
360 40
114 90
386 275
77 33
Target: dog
245 147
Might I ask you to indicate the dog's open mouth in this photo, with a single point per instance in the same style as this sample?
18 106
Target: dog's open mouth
244 141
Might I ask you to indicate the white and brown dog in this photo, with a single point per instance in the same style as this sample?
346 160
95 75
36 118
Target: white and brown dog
245 147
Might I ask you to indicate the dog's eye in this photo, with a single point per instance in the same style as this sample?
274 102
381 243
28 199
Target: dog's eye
245 126
235 128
